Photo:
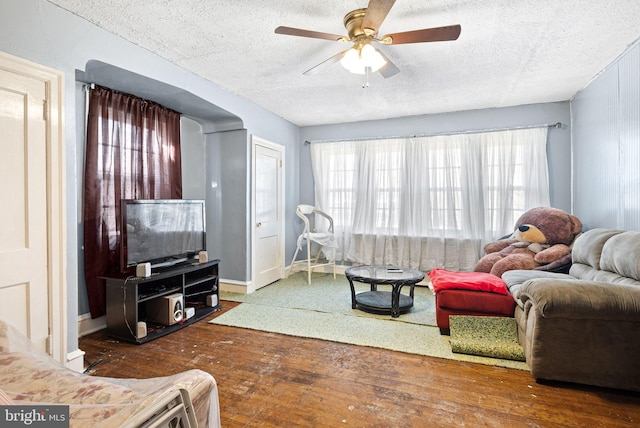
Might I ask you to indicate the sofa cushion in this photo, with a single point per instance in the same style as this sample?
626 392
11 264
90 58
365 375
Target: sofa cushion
590 274
587 248
621 255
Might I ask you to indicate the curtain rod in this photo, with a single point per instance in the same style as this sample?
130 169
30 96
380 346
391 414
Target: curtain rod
475 131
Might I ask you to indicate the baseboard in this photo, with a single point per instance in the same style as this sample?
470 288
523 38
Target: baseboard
340 269
232 286
88 325
324 269
244 287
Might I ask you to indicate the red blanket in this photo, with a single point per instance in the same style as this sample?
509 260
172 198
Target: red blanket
443 279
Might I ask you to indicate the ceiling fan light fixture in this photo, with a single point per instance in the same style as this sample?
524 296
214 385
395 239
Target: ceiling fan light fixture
357 59
362 28
352 62
372 58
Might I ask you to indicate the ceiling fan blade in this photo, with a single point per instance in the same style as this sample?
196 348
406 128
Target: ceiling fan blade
389 69
324 64
377 11
439 34
307 33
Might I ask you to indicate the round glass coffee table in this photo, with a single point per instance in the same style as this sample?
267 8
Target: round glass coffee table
383 301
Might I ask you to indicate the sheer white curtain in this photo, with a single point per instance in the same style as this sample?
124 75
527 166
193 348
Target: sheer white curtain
430 201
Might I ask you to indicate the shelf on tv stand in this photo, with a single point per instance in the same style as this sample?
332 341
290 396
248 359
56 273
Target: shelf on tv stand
150 296
127 298
200 281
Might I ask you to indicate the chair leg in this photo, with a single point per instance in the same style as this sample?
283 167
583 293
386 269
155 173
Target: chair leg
309 261
293 261
334 262
309 268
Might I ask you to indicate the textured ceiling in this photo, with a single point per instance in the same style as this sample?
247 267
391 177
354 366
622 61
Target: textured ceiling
510 52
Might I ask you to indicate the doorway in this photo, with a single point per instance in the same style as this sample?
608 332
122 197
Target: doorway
267 212
33 245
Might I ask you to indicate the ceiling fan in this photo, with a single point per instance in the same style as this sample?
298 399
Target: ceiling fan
362 28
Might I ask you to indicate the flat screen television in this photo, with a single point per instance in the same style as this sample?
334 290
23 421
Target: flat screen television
163 232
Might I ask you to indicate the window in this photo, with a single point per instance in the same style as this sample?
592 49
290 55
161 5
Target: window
467 186
133 152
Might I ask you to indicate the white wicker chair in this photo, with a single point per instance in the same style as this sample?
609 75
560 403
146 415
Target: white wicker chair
325 239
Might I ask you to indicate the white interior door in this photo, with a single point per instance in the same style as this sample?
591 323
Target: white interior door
24 290
268 201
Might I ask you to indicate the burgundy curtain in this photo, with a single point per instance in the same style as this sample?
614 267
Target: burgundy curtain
133 152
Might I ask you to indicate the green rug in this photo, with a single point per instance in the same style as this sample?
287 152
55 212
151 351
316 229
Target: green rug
495 337
325 294
322 310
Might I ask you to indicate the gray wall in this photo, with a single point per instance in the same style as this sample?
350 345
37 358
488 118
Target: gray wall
43 33
228 155
606 146
558 143
192 148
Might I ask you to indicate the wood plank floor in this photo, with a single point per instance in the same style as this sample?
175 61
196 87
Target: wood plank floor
271 380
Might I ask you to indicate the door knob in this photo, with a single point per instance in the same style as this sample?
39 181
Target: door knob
259 224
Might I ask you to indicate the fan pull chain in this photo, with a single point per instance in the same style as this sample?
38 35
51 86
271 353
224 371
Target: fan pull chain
365 85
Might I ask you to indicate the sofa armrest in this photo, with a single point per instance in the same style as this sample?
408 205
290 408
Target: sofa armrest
515 279
580 299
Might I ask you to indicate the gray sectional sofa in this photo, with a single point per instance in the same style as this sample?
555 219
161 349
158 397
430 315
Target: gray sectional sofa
584 326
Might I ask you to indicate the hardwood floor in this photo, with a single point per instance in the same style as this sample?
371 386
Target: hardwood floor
271 380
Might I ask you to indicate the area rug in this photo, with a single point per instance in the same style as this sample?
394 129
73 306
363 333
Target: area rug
322 310
495 337
333 296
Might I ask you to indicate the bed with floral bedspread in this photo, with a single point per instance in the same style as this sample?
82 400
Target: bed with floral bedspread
28 377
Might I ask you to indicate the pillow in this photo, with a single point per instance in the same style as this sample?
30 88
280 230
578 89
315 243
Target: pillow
479 281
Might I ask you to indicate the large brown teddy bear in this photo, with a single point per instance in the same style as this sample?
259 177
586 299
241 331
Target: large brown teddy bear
541 240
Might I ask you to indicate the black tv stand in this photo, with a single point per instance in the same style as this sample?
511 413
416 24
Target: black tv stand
127 299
